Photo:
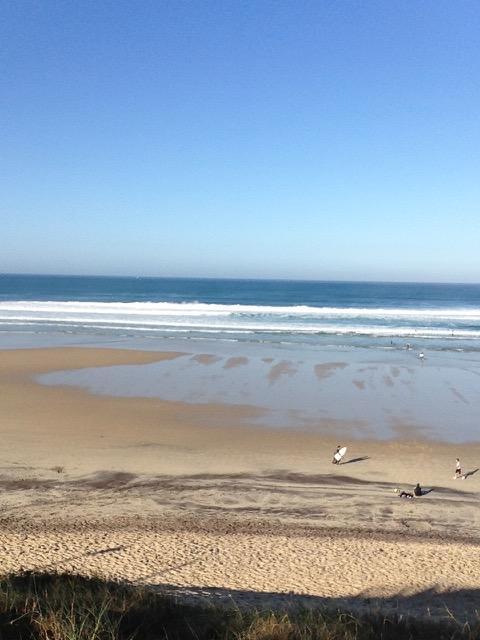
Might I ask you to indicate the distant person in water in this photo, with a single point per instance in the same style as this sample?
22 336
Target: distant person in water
418 490
458 469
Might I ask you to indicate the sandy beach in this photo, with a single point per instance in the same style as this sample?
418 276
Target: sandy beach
237 239
193 498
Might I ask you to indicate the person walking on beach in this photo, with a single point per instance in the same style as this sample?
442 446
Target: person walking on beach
335 455
338 455
458 469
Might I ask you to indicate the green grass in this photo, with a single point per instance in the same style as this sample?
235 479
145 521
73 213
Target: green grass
64 607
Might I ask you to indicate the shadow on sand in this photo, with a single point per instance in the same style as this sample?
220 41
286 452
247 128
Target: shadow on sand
205 612
352 460
461 605
125 482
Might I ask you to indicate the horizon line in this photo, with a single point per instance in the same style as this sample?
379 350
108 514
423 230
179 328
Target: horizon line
237 279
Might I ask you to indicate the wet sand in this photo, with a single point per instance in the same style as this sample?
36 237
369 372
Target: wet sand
195 497
369 391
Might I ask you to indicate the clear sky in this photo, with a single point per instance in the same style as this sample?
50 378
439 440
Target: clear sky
243 138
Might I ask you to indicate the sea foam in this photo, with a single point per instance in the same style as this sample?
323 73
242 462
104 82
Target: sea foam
453 322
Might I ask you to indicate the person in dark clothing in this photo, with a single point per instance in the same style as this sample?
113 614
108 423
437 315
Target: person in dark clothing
418 490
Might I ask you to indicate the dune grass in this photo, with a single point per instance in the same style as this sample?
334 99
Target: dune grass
65 607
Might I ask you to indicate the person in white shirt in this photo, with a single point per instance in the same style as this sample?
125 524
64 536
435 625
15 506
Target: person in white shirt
458 469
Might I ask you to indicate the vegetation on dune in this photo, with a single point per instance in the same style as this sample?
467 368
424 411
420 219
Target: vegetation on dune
65 607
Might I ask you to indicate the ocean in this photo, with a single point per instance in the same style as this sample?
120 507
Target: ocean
363 314
319 356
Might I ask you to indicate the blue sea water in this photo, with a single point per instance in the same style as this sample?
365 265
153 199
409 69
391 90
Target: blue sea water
442 316
313 355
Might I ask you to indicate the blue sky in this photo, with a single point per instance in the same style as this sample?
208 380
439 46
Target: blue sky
291 139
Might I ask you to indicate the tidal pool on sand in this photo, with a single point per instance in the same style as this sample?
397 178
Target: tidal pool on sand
348 392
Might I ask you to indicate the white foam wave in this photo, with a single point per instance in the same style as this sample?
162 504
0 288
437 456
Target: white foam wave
167 309
339 330
453 322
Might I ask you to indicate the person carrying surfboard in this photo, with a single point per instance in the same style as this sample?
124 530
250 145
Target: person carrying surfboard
335 455
338 455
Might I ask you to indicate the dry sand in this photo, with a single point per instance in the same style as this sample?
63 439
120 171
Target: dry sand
193 498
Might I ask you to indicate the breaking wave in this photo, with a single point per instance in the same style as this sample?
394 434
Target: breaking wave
453 322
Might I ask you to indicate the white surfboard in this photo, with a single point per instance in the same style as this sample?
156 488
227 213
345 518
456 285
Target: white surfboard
340 454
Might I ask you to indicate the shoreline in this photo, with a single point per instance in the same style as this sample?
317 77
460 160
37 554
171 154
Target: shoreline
101 473
375 396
